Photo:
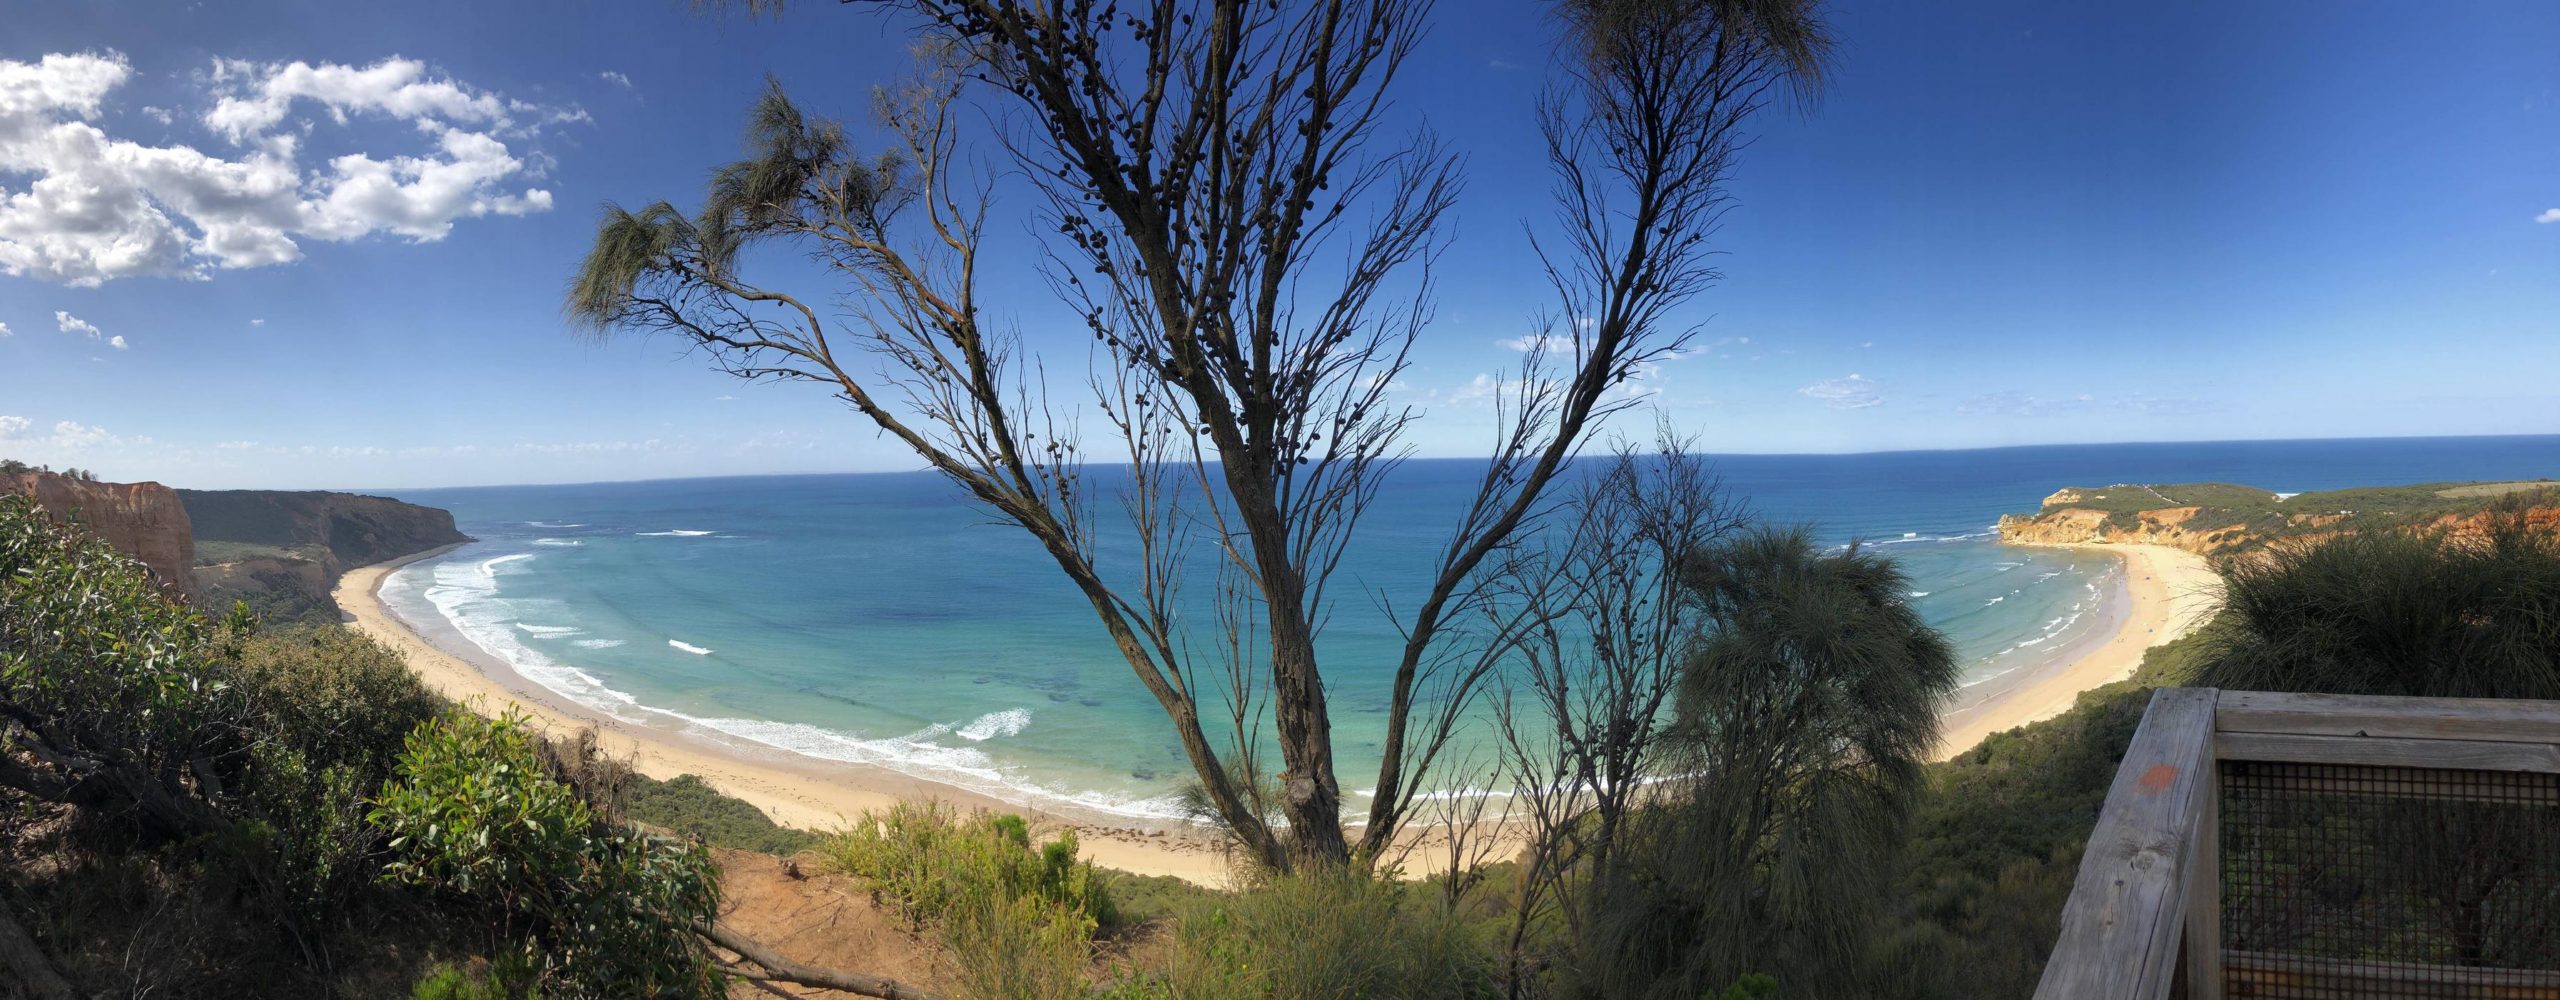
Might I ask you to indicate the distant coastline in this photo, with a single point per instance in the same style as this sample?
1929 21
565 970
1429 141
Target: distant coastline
2168 593
2165 593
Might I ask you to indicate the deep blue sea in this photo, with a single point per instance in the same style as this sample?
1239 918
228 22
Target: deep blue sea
880 618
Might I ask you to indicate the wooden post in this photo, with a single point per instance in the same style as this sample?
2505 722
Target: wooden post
2128 910
2204 890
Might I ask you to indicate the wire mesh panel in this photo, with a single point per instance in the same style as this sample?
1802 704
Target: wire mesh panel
2346 881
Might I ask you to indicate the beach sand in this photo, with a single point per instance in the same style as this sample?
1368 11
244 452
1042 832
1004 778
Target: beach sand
795 791
2172 591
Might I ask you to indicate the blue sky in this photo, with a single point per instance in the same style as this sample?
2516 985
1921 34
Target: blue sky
332 238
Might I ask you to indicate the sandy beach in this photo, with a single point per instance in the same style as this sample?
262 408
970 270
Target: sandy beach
2171 591
799 792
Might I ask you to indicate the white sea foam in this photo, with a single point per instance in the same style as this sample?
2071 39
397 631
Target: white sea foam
1993 601
1919 593
557 541
467 596
548 524
489 569
1009 722
550 631
688 647
672 533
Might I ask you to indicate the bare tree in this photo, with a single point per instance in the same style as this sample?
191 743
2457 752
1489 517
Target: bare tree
1203 166
1606 636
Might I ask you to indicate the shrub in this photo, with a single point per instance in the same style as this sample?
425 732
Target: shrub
2442 613
127 696
477 812
1325 934
1019 917
923 858
335 695
687 806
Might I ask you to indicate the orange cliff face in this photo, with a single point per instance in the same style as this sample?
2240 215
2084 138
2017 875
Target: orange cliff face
2078 525
142 520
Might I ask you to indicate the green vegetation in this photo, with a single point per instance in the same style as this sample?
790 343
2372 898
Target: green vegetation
1804 715
1019 917
1326 934
479 812
1995 842
2473 614
291 814
687 807
215 553
2260 516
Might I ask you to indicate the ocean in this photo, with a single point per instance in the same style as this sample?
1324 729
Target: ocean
882 619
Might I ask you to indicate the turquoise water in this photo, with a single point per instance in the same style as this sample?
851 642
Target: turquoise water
880 619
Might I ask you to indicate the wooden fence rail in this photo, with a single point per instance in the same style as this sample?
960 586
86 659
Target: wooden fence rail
2145 914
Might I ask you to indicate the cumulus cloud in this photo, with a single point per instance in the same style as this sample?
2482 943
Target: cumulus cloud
4 329
615 79
101 207
73 324
2548 215
116 342
1856 392
257 322
11 427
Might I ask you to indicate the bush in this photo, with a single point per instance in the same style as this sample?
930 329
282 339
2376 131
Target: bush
923 859
2440 613
128 697
688 807
1019 917
478 811
1325 934
335 695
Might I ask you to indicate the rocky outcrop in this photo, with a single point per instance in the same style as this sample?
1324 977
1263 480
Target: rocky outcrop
284 549
144 520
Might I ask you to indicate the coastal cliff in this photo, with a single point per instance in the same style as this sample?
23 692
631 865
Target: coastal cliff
144 520
2217 520
282 551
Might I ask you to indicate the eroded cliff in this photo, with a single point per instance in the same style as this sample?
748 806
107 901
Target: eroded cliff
144 520
2220 519
281 551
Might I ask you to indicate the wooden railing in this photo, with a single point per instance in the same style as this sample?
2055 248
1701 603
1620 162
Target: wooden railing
2144 920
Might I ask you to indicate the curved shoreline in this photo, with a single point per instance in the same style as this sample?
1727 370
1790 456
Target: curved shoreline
2170 591
798 792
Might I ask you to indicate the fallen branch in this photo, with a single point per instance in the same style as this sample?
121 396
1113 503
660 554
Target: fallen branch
786 970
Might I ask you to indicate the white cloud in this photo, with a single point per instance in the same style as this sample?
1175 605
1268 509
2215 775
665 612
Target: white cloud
4 329
1548 342
101 207
1856 392
257 322
70 434
2548 215
11 427
116 342
162 115
615 79
74 324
